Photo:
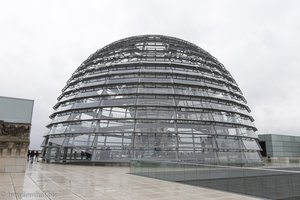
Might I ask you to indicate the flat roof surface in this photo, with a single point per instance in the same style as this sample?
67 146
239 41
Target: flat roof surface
16 110
268 134
73 182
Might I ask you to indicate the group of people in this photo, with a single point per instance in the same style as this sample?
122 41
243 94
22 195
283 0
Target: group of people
83 154
33 156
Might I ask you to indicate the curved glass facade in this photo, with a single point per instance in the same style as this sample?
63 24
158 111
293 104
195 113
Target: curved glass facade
151 97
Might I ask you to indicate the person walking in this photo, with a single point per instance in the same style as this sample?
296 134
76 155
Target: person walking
37 156
82 155
28 155
31 156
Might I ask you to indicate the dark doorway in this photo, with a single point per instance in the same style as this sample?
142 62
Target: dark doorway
263 152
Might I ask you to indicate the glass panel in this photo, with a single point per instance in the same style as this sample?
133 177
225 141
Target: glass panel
228 143
117 112
60 118
251 144
227 130
56 141
195 115
114 141
81 127
155 113
203 141
231 157
156 102
60 128
115 126
252 156
123 102
81 140
156 90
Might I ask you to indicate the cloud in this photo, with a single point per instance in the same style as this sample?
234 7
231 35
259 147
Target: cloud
43 42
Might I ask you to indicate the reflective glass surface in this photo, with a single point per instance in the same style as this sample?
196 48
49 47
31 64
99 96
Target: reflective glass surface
151 97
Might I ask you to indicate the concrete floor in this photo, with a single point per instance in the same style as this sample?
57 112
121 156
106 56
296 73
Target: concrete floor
71 182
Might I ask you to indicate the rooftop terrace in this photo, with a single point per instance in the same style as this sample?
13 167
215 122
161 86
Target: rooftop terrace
72 182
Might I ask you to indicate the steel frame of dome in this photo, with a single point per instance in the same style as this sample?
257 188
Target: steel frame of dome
151 97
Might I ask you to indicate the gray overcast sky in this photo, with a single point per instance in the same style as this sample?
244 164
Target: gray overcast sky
43 42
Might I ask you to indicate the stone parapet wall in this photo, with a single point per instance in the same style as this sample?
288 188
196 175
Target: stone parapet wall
14 142
283 159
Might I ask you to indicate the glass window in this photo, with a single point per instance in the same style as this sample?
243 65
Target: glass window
106 112
115 126
123 102
103 123
114 141
80 127
252 156
231 157
59 128
80 140
228 143
156 102
60 118
203 142
155 113
57 141
118 112
185 138
251 144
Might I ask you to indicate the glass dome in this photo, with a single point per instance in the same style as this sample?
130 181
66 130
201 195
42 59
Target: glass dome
151 97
